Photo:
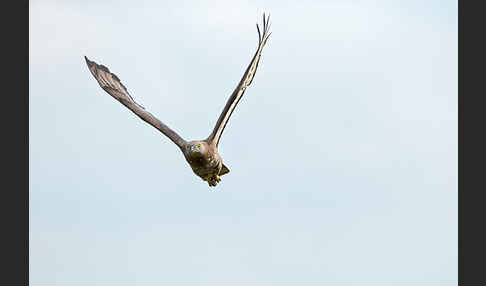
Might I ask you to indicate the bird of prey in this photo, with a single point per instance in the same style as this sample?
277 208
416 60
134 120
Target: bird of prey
202 155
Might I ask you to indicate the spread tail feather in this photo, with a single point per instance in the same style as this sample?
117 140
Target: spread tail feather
224 170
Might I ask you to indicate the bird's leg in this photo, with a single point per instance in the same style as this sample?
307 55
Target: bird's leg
212 182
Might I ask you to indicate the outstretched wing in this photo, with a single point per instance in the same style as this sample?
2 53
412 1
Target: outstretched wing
243 84
113 86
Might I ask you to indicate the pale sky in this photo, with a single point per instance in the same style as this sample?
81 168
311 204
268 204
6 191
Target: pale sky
343 151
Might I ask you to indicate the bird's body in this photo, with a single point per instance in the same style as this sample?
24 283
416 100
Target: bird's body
202 155
207 164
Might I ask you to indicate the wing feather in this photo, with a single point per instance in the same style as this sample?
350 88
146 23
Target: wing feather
110 83
242 85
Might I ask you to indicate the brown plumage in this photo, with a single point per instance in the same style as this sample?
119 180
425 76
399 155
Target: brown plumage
202 155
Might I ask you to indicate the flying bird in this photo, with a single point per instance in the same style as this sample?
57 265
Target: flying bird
202 155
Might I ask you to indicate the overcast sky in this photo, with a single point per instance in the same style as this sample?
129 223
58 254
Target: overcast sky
343 151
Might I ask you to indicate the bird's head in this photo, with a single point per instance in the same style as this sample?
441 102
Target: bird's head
197 150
